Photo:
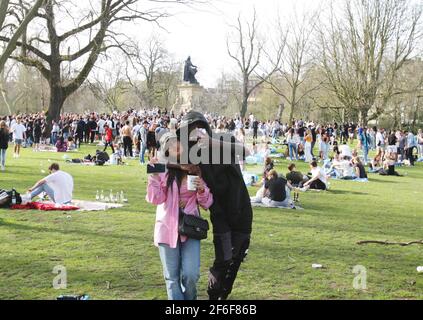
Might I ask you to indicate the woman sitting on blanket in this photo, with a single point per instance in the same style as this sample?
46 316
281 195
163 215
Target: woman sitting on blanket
276 192
360 170
61 145
268 166
318 181
389 167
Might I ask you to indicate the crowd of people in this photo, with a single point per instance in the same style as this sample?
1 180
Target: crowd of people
143 134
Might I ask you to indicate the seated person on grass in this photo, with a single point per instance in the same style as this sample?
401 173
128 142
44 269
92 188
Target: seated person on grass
318 179
276 192
58 186
296 179
344 169
389 167
360 170
61 145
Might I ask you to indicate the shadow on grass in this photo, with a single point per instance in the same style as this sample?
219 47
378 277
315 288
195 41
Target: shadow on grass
383 181
347 192
68 232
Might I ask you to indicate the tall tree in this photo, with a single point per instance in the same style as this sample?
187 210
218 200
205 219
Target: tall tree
18 28
246 48
148 60
49 50
363 48
289 80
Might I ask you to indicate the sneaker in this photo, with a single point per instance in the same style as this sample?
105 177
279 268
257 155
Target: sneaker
3 168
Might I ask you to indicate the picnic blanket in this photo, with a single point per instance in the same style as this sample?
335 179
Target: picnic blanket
76 205
353 180
44 206
262 205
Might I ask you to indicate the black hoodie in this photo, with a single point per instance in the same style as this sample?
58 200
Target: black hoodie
232 209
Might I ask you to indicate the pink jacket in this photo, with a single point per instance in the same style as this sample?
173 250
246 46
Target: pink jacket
167 200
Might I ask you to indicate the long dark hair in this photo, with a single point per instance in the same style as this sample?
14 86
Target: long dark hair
175 175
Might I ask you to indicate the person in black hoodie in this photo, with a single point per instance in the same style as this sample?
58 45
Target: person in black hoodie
231 214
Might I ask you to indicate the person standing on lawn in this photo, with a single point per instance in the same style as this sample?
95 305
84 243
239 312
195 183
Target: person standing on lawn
4 144
180 256
108 138
19 135
231 213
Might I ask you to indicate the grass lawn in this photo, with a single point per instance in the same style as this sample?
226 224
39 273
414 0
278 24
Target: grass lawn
110 255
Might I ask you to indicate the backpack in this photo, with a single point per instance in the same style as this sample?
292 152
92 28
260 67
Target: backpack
6 198
102 156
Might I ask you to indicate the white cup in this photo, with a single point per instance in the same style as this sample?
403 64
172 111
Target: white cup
191 181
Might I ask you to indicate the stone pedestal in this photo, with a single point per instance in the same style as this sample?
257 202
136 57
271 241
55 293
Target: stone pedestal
190 96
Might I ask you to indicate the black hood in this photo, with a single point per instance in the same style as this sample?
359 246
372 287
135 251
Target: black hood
194 117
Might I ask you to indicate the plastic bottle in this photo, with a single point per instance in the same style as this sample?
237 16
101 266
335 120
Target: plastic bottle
13 197
102 195
97 196
111 196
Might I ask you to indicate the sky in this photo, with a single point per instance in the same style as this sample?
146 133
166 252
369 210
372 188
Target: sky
202 32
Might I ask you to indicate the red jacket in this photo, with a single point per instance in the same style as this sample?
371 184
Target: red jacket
109 135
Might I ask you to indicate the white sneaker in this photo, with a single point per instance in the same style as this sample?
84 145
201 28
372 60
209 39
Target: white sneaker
3 168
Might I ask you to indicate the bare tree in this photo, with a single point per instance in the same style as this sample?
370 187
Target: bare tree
364 47
289 80
148 60
247 49
18 28
93 35
109 86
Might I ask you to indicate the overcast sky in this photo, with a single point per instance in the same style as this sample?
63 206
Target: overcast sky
202 33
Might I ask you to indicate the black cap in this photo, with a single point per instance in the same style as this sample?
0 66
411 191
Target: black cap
194 117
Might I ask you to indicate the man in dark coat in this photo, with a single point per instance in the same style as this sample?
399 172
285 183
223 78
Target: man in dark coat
231 213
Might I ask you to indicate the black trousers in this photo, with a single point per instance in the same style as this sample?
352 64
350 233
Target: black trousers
92 136
78 140
127 146
111 146
410 155
231 249
232 237
317 185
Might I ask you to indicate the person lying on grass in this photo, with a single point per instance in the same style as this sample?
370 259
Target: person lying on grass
58 186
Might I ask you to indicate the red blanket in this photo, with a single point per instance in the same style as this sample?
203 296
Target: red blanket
44 207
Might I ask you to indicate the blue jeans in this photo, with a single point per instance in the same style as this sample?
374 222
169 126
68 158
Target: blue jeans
293 151
366 154
181 269
43 188
2 157
53 138
142 153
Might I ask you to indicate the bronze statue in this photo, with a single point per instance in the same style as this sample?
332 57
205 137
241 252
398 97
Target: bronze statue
190 71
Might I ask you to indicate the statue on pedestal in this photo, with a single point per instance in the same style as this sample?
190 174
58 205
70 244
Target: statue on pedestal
190 71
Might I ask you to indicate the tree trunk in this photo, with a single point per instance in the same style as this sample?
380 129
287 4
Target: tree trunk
245 96
57 99
280 112
291 114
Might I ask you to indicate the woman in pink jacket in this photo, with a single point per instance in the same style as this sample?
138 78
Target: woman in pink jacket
180 256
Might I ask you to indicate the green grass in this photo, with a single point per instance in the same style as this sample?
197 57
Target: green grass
116 247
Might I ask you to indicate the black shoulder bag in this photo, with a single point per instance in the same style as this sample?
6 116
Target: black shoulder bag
193 227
